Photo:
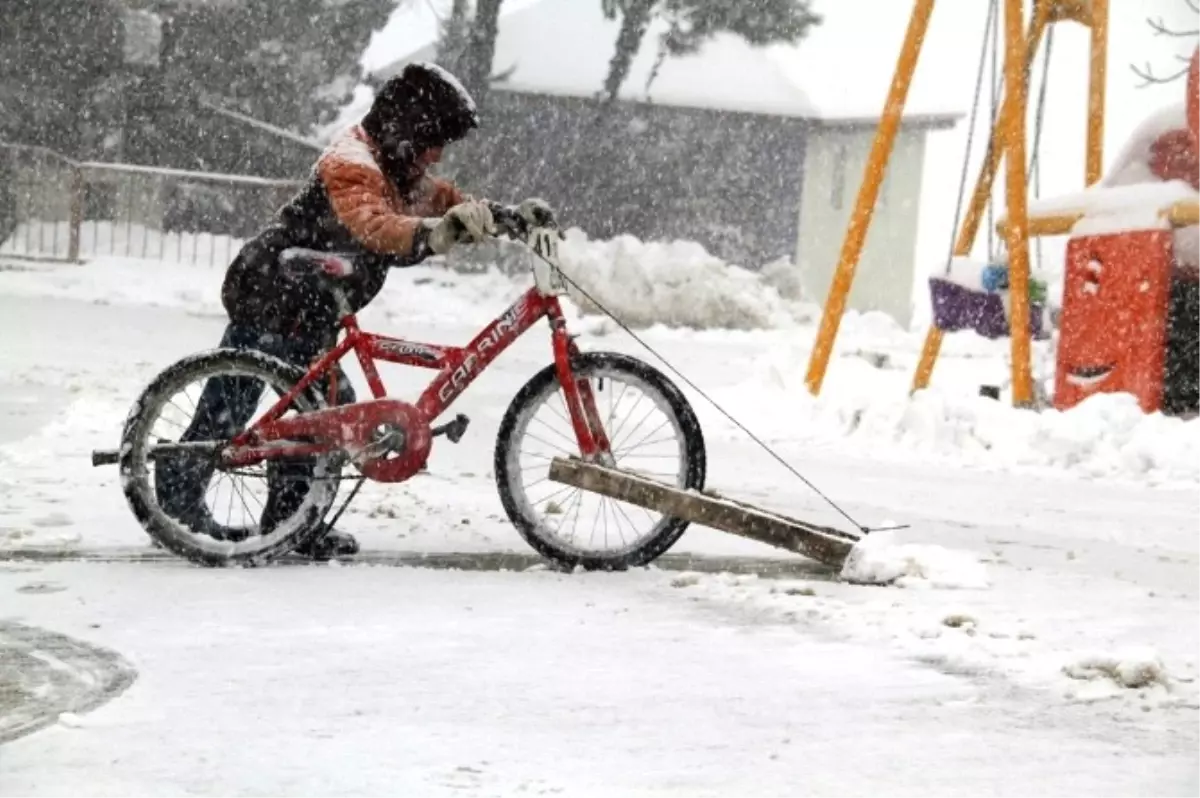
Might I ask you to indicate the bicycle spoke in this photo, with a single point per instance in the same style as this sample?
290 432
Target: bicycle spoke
625 515
621 426
247 514
563 415
558 492
643 441
636 427
556 432
539 440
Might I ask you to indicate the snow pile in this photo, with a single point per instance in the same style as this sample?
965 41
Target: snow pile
673 284
1132 670
862 403
676 284
878 560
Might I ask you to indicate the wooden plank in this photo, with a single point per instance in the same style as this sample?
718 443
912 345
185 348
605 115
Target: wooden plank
823 544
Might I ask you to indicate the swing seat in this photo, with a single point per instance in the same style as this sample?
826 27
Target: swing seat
960 305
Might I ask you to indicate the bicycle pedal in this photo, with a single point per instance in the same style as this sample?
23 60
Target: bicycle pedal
453 430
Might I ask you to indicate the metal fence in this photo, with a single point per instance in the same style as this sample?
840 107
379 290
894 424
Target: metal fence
54 208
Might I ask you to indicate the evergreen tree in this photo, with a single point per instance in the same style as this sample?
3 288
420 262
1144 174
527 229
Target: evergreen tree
52 55
292 64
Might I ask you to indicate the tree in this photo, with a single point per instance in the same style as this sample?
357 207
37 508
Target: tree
291 64
691 23
52 55
476 66
452 42
635 20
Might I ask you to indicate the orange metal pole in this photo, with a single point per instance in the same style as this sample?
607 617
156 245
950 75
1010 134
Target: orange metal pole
1096 85
969 228
868 192
1018 209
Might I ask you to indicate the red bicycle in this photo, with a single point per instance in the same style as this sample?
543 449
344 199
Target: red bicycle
301 445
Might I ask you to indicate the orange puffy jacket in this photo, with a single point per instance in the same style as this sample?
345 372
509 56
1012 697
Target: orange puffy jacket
348 205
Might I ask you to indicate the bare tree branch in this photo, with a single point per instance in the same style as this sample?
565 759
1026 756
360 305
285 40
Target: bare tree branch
1160 28
1149 78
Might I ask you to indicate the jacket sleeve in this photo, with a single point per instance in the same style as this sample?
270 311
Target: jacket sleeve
358 194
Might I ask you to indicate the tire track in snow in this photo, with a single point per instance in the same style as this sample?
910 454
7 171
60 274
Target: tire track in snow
44 674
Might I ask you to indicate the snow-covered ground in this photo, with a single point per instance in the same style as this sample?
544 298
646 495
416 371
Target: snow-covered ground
1039 635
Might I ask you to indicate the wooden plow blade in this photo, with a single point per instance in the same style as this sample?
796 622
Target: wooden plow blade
823 544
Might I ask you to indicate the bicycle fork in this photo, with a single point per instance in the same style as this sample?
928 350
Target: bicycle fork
593 441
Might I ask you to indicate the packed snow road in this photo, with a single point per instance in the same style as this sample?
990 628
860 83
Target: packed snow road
1041 639
423 682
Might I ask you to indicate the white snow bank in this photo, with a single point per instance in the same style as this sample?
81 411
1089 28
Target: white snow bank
878 559
1133 669
864 405
674 284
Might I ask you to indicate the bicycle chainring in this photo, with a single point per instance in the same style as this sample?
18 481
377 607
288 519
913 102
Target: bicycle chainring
386 439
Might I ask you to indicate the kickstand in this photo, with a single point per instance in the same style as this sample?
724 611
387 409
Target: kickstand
353 492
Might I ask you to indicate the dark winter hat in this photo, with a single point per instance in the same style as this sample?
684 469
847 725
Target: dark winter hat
424 105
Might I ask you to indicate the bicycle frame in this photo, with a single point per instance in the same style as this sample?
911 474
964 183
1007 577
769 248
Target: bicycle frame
457 367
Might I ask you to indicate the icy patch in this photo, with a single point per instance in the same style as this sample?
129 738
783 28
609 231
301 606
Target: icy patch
878 560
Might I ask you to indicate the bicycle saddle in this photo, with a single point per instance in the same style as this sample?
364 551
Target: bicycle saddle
330 264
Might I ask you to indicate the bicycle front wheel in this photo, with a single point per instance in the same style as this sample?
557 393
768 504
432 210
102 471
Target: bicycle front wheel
652 430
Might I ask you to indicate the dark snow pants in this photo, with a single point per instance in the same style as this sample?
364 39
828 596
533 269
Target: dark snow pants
226 405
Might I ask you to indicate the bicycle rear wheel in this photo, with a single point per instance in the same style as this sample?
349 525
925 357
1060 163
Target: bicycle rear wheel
177 495
652 430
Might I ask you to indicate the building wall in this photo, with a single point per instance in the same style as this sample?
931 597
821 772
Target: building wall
833 170
730 181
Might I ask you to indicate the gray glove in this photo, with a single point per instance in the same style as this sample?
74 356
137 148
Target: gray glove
465 223
536 212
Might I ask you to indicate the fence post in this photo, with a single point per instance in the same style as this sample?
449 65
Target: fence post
76 221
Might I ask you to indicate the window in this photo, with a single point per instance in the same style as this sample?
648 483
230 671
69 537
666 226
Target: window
837 179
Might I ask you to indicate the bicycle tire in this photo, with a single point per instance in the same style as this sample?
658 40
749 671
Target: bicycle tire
140 493
667 531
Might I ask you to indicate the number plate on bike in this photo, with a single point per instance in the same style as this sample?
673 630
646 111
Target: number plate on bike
546 274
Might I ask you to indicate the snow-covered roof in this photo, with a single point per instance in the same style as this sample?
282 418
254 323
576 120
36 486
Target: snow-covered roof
841 71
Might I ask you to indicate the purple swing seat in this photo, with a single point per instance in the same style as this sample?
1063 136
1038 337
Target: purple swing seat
956 307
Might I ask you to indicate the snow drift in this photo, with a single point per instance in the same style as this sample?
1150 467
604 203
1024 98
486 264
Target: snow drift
674 284
864 405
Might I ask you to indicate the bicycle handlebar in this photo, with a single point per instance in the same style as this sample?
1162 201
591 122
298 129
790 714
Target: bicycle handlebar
509 221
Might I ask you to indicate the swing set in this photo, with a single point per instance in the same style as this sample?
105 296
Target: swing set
977 302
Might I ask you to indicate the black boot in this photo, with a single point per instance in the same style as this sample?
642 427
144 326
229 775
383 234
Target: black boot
329 543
